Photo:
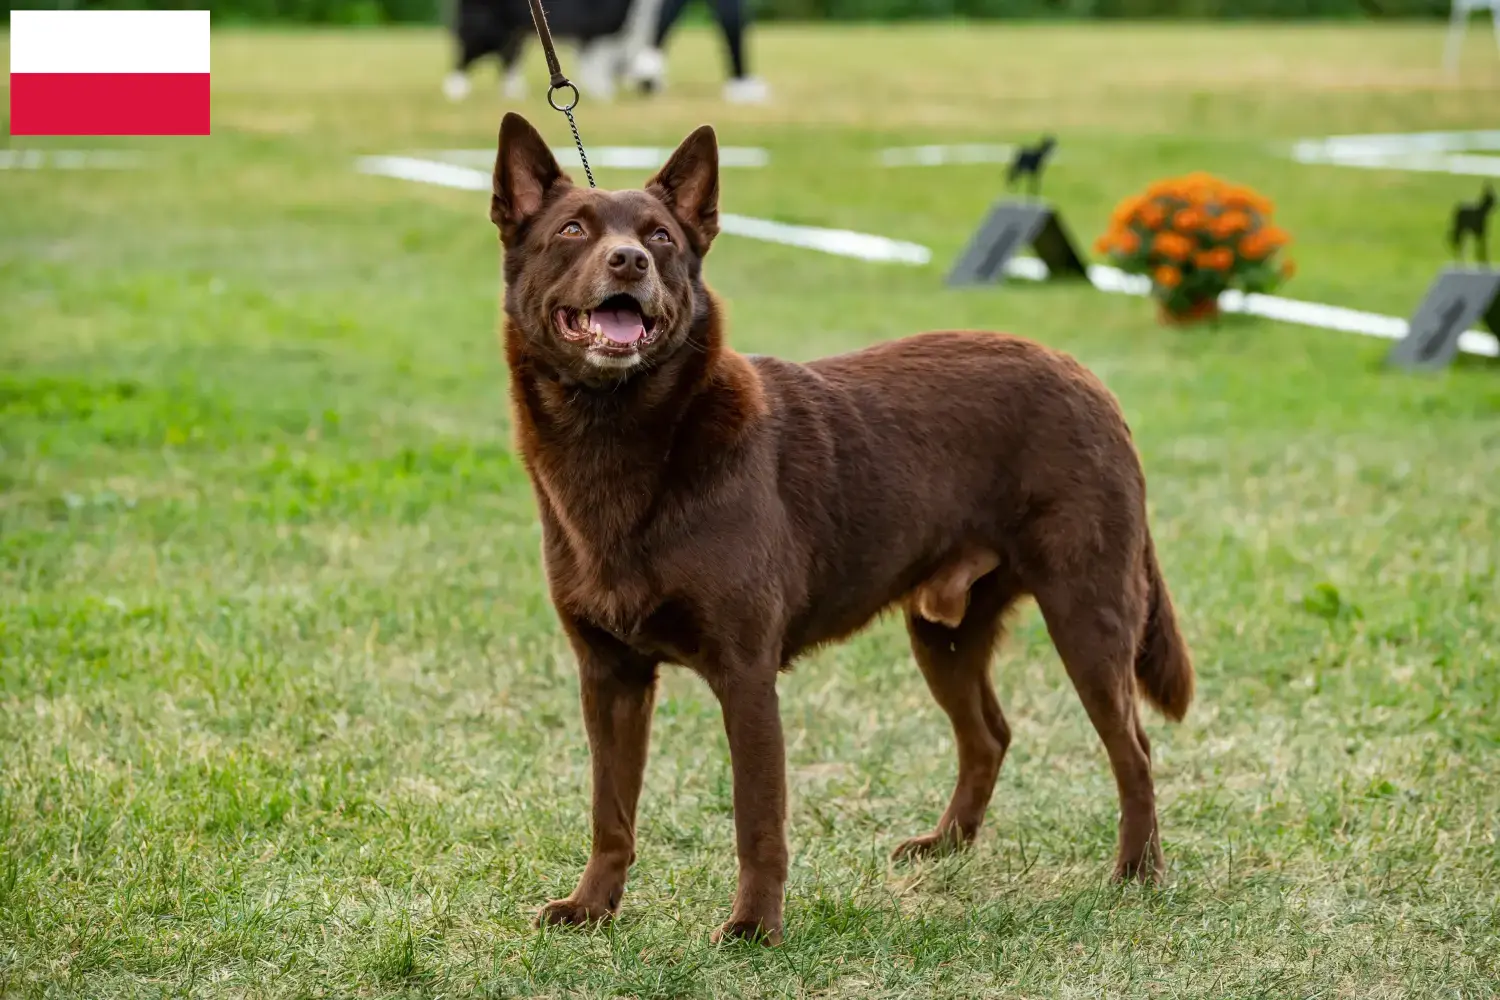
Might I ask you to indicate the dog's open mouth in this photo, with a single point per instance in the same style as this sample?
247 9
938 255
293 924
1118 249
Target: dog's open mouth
618 325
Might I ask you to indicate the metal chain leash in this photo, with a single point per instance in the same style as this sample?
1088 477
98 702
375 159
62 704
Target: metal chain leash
559 83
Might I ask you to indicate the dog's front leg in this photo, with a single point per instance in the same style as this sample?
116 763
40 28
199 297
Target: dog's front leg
618 690
758 759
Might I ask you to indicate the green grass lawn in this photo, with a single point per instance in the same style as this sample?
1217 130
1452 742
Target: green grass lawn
284 711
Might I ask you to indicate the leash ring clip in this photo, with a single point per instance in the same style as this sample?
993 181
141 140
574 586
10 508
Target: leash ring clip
552 100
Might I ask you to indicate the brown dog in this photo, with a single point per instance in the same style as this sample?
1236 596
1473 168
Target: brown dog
702 508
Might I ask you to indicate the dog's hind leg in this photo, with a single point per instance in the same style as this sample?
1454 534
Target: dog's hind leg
456 85
1095 617
471 49
474 42
511 49
955 661
597 65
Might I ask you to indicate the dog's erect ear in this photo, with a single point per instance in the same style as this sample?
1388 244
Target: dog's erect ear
525 173
689 184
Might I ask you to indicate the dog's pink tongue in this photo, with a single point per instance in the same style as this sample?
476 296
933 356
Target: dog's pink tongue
622 326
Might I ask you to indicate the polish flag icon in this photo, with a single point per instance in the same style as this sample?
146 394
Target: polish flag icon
109 72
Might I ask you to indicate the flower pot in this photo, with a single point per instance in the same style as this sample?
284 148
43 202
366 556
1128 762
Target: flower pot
1198 311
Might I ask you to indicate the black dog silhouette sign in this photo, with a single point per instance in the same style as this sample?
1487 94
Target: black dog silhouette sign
1456 301
1009 227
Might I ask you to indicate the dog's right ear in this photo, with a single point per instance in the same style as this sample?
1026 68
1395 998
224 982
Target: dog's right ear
526 173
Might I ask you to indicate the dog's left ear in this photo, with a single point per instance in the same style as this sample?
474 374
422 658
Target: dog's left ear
689 185
526 173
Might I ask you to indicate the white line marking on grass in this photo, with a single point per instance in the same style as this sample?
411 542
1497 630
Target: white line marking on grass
408 168
840 242
1419 142
619 157
939 156
69 159
1421 152
1316 314
865 246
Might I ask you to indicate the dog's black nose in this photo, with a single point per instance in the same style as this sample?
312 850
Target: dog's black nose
628 262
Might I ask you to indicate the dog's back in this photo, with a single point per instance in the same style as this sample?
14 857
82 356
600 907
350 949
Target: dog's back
889 443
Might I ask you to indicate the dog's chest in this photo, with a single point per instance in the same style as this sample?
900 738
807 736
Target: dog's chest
620 589
653 625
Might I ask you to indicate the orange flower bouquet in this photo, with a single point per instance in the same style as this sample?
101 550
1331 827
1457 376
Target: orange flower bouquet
1195 237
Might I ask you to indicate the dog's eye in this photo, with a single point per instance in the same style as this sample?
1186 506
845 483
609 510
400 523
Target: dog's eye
661 236
572 229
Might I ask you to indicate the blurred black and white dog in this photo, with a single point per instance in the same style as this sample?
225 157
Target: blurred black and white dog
617 40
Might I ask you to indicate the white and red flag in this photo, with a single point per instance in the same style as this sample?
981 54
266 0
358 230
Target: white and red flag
109 72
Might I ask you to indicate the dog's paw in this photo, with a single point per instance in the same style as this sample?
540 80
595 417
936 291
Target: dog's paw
571 913
456 86
929 845
515 88
754 931
647 70
1147 871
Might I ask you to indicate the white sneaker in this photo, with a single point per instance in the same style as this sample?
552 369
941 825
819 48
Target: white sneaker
456 86
747 90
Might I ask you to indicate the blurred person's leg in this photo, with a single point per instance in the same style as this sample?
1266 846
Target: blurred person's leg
671 10
648 67
731 17
742 88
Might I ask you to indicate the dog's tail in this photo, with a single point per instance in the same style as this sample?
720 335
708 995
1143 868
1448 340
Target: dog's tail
1163 665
